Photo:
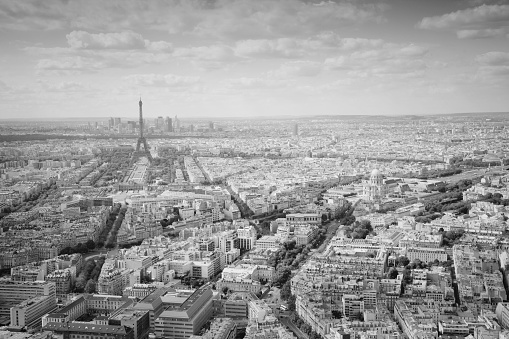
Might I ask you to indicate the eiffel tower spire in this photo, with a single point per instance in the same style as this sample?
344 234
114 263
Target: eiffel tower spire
141 140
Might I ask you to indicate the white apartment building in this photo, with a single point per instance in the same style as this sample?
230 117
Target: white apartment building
30 311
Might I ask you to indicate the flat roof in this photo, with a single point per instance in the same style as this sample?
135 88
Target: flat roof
85 327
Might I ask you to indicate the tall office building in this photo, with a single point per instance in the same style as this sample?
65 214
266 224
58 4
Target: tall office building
160 123
29 312
116 122
177 124
295 129
169 125
13 292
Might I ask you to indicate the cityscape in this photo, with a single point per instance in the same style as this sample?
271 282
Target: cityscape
196 206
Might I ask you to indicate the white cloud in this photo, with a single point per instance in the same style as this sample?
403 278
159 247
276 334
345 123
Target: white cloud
320 44
297 69
69 63
4 88
122 40
126 40
162 80
472 23
159 46
396 60
213 52
90 52
493 67
480 33
253 83
283 47
64 86
220 18
207 57
494 59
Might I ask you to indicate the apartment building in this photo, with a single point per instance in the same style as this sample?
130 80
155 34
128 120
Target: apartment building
89 330
72 311
353 305
268 242
62 280
304 218
247 237
426 255
220 328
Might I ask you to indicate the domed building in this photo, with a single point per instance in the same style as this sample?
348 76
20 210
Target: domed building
374 188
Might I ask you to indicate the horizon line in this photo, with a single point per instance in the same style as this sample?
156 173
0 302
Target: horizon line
261 117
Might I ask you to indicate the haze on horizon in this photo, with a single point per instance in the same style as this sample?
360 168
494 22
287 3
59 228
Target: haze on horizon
245 58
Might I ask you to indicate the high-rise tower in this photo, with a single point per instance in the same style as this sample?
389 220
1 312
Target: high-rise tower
141 140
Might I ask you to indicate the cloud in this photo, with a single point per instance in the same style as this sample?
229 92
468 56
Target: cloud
69 63
493 59
207 57
64 86
213 52
91 52
4 87
297 69
480 33
472 23
283 47
126 40
396 60
219 18
493 67
161 80
123 40
158 46
323 43
253 83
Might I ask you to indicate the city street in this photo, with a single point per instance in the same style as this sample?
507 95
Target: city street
94 254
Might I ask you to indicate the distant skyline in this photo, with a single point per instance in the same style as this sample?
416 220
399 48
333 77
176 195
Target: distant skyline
252 58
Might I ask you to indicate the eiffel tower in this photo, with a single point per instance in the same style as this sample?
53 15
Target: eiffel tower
141 141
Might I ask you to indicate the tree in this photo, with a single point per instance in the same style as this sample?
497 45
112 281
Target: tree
403 261
80 283
90 244
393 273
286 292
67 250
90 287
225 290
282 275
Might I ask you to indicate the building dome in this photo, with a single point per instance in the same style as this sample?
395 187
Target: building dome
376 174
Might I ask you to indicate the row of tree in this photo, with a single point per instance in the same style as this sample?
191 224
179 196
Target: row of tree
86 282
305 328
103 236
80 248
344 214
112 237
435 174
496 198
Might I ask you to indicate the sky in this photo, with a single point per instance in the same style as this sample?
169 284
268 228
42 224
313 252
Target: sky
252 58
